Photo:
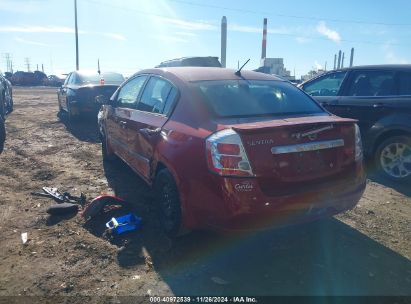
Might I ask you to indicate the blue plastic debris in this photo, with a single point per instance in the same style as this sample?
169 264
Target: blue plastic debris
124 223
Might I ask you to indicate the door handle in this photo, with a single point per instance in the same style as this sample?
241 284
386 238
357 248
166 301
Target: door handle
148 132
329 103
377 105
123 124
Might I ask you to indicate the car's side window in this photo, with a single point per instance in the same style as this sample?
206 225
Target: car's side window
67 81
328 85
155 96
170 101
128 94
74 79
404 83
372 83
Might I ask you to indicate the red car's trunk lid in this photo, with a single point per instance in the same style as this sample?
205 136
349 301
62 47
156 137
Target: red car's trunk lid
298 149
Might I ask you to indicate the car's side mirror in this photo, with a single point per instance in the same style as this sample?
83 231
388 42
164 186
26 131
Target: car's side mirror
102 100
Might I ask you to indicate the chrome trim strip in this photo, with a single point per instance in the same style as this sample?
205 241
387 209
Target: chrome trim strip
312 146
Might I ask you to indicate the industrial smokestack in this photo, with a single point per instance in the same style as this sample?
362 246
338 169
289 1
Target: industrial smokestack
352 57
339 59
335 61
342 61
223 41
264 46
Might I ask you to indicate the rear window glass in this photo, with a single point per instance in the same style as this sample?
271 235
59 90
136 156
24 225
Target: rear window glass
247 98
108 78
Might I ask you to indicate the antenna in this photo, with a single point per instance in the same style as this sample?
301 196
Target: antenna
98 66
238 73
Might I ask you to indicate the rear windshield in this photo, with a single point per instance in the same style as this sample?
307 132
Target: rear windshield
247 98
108 78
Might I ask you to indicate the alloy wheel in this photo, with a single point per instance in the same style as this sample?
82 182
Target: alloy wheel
395 159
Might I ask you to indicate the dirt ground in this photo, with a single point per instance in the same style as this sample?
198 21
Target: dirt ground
365 251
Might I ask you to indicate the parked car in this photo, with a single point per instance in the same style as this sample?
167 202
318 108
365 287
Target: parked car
2 134
380 98
6 97
54 81
78 93
232 151
28 78
191 61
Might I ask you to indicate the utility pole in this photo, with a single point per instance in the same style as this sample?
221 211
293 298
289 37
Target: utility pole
223 41
76 33
27 63
8 61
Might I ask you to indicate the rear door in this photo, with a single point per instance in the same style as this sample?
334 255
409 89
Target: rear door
147 120
119 116
369 95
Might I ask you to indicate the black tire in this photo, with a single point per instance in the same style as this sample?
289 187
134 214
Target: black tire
71 116
105 151
3 107
2 134
60 108
168 203
393 158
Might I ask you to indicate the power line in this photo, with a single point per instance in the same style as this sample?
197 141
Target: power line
145 13
288 16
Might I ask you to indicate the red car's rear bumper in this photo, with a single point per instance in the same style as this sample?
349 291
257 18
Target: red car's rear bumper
240 204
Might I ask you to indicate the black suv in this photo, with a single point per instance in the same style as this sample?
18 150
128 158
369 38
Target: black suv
380 98
191 61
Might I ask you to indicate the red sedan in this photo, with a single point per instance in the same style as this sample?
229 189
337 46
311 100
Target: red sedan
231 150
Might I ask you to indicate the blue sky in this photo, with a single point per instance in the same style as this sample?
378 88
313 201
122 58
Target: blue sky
129 35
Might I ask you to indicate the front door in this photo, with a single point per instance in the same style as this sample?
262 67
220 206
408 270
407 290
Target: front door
147 121
119 116
325 90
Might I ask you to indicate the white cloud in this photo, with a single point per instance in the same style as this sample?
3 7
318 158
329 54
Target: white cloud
254 29
391 56
244 28
20 6
24 41
114 36
186 34
36 29
172 39
318 66
327 32
188 25
56 29
303 40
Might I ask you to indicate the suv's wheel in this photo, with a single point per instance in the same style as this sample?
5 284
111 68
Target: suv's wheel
106 152
393 158
168 201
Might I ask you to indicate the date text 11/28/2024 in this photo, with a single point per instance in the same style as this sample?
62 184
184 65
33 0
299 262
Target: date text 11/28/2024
203 299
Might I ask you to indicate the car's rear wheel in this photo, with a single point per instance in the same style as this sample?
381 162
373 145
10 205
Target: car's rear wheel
168 202
393 158
106 152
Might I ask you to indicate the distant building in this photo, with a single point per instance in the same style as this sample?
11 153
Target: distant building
275 66
312 74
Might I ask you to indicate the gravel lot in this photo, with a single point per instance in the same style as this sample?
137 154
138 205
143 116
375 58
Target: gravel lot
365 251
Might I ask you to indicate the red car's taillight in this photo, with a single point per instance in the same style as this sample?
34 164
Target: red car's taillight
226 155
